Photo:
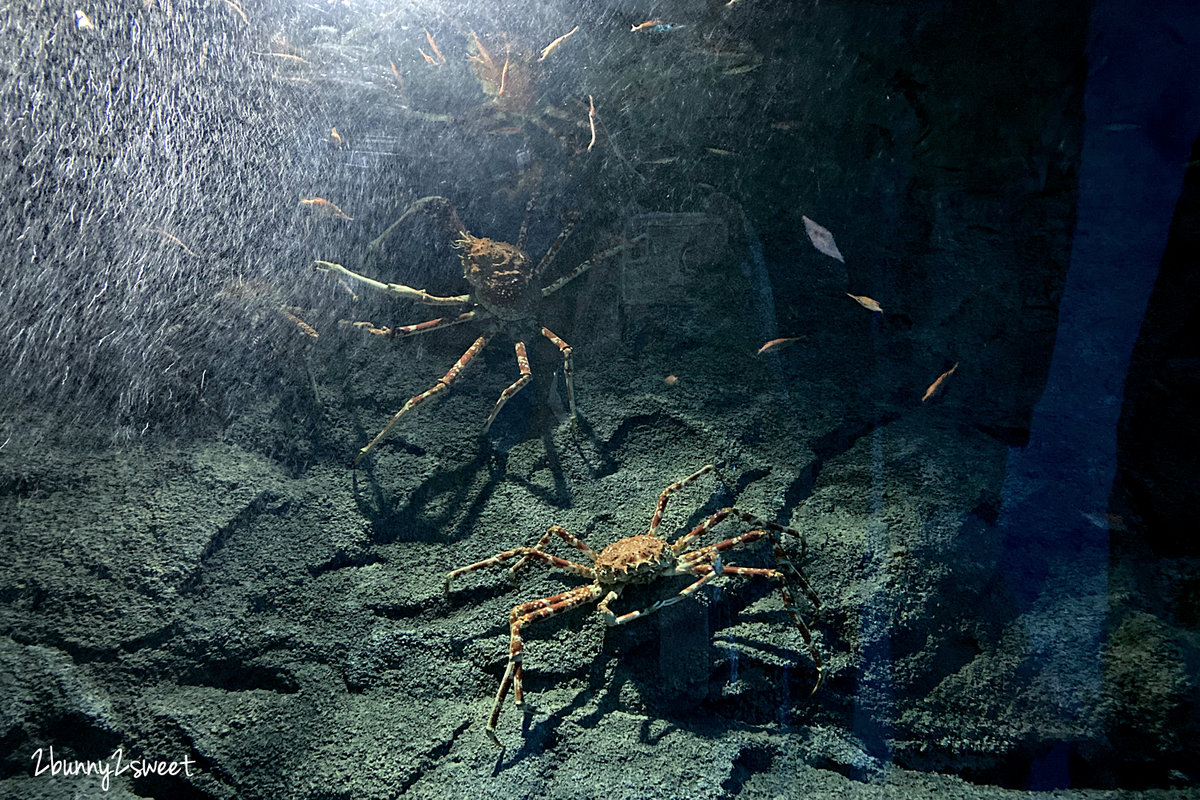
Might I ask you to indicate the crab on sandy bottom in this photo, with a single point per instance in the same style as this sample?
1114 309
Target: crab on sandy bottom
504 295
643 559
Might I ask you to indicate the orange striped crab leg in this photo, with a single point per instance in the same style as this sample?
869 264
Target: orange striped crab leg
670 490
514 387
560 532
439 388
565 349
789 602
736 513
525 221
536 553
610 618
705 554
400 331
437 207
520 616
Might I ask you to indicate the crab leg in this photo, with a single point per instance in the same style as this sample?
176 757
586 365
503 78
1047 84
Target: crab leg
525 614
712 521
401 331
789 602
394 289
697 557
534 553
572 221
525 222
666 494
438 388
612 619
438 207
705 555
565 349
586 265
514 387
560 532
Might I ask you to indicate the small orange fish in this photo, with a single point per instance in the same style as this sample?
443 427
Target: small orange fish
174 240
325 207
1112 522
670 380
336 137
396 72
645 26
865 302
939 385
777 344
286 57
550 48
441 59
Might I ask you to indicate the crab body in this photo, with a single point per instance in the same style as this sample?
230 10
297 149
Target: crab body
636 559
501 278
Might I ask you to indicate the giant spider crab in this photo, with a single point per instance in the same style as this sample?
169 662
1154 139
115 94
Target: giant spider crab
504 295
642 559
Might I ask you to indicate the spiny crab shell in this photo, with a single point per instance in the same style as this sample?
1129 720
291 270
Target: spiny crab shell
501 275
637 559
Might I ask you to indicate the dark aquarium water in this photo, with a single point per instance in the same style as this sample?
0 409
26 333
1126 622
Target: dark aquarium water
599 399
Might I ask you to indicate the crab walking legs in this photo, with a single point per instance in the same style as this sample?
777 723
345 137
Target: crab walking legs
439 388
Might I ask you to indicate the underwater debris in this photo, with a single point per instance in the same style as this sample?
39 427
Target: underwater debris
865 302
591 122
323 206
777 344
550 48
742 69
82 22
939 386
822 239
